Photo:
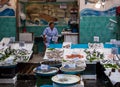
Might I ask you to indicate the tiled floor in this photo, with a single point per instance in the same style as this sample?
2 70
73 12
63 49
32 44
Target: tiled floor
31 82
37 58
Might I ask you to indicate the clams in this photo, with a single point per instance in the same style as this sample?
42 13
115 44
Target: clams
52 63
55 54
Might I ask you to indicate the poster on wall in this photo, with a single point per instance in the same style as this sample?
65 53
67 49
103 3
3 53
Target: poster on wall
97 8
42 14
7 7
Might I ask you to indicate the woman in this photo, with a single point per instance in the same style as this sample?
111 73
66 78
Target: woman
50 34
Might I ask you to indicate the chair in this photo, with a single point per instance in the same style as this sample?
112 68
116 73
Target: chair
27 37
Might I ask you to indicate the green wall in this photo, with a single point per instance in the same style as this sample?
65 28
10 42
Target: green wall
91 26
7 27
38 30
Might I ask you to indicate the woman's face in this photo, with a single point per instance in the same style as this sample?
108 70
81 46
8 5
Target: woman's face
52 26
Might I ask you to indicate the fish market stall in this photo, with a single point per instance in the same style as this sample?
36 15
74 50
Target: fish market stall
91 53
10 55
85 60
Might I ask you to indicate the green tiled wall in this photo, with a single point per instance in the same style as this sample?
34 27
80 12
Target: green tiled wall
91 26
7 27
38 30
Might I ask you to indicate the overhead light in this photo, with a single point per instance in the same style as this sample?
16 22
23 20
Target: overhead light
111 20
22 16
111 24
98 4
103 3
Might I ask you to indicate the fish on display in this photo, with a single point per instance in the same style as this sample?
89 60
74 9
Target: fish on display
4 2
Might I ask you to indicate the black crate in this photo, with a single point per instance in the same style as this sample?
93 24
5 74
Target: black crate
7 71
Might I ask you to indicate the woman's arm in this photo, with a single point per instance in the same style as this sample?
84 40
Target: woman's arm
44 35
44 38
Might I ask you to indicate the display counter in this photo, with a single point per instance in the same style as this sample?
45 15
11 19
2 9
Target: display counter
70 37
113 76
78 46
90 71
11 55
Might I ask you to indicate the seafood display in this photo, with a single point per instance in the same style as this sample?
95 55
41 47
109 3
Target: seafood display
74 56
50 71
52 63
66 45
56 54
13 56
113 66
95 45
73 53
22 55
74 70
93 55
73 66
108 63
65 79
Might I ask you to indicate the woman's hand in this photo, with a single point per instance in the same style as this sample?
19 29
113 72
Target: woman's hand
44 39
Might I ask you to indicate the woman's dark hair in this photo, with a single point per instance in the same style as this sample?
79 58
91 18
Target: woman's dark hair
51 23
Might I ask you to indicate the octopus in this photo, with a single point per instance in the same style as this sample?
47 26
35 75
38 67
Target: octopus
57 54
4 2
74 56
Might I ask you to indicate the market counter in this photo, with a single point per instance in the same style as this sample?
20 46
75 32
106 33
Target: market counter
70 37
78 46
9 65
91 70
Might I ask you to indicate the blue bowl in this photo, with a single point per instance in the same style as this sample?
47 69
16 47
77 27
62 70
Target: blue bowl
46 86
49 73
74 72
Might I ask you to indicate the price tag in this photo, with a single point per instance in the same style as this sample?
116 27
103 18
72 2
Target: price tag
76 59
96 39
63 6
44 67
72 65
54 38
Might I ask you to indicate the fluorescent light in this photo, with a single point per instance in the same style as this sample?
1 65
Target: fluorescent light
97 5
113 21
103 3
